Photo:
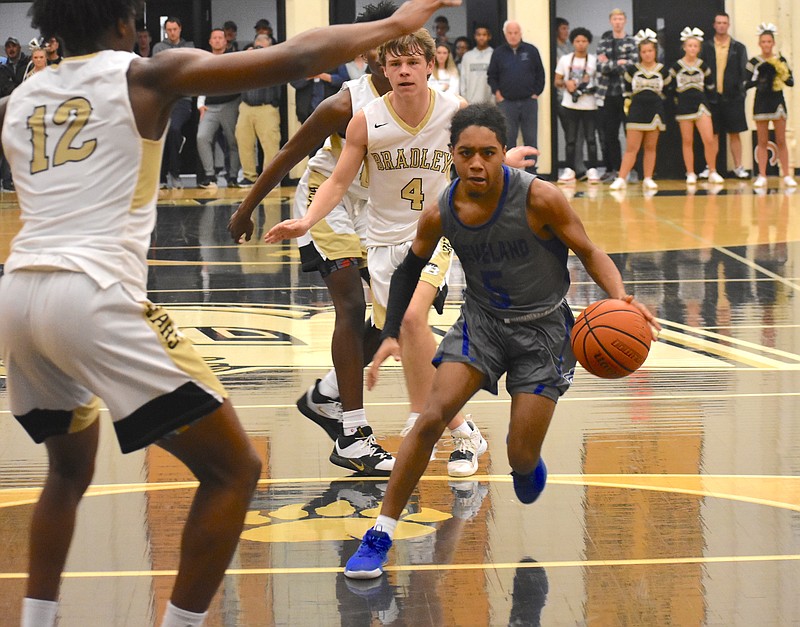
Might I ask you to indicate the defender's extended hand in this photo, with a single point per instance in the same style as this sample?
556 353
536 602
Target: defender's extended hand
288 229
521 157
414 14
389 347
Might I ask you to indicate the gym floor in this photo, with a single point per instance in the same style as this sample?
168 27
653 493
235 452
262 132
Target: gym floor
673 496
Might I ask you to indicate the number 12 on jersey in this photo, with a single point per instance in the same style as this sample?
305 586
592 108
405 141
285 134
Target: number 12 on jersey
75 114
414 194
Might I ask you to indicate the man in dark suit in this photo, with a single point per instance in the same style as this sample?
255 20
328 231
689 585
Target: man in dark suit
727 58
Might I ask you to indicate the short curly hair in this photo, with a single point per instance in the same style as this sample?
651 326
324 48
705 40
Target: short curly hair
486 115
80 23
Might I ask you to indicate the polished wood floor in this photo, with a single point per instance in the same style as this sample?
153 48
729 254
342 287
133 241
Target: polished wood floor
674 494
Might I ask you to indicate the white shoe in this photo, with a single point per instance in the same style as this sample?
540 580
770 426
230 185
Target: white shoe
789 181
618 183
567 176
464 459
360 452
704 174
715 178
691 178
761 181
741 173
649 183
592 175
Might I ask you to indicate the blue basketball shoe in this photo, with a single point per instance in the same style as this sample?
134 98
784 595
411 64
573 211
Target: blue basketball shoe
529 487
368 561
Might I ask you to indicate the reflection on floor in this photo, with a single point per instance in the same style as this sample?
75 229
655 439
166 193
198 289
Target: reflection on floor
673 497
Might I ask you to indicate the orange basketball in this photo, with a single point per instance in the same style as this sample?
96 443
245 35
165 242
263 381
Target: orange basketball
611 338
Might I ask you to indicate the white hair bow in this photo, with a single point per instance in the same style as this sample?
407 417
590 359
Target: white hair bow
766 27
645 35
692 33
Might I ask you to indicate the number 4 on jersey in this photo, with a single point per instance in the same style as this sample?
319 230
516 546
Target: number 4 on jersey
413 193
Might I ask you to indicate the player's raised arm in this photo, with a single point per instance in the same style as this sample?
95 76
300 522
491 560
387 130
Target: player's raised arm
331 116
188 72
404 282
331 192
549 211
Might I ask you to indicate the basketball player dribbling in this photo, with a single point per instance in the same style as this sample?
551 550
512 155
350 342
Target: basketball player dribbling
403 136
84 142
512 233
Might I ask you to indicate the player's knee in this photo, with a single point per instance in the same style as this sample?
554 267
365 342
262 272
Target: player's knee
431 425
415 324
352 310
73 475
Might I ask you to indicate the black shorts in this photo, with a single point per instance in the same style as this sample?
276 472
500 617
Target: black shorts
728 116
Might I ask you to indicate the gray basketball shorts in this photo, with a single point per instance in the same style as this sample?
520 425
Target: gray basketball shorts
536 355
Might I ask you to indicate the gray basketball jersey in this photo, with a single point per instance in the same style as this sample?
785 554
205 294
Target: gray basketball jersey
510 272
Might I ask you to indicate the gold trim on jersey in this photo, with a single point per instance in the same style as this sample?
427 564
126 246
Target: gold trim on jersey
413 130
372 86
149 171
83 417
179 348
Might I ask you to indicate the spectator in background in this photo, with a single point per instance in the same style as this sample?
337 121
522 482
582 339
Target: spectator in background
231 31
263 27
52 46
38 62
474 86
181 112
575 74
349 71
563 46
15 66
259 119
615 51
727 59
516 77
444 76
462 46
441 27
143 41
217 112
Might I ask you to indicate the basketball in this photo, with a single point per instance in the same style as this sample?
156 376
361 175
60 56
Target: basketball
611 338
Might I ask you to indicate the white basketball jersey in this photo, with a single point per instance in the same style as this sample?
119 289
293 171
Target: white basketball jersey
408 166
86 181
362 91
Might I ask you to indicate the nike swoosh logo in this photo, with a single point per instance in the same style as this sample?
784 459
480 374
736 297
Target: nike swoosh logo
359 466
379 125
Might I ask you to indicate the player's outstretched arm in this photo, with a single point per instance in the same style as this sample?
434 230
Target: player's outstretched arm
549 211
3 102
401 290
331 116
187 72
331 192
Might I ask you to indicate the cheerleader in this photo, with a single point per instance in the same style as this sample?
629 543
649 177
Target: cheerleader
645 84
694 85
769 75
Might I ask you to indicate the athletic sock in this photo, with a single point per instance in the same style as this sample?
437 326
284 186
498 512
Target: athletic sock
352 420
329 385
38 612
387 525
176 617
463 429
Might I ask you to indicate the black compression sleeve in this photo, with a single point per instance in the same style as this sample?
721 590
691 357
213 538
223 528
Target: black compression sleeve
401 289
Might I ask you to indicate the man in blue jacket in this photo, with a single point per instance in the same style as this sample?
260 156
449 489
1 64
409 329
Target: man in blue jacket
516 77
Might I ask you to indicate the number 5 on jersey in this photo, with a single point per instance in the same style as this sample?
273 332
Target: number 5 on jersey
74 113
414 194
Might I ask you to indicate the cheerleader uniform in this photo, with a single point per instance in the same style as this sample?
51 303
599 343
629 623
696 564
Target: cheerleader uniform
646 88
769 103
694 86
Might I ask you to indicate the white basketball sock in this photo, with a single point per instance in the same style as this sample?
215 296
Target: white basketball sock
329 385
176 617
38 613
387 525
352 420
